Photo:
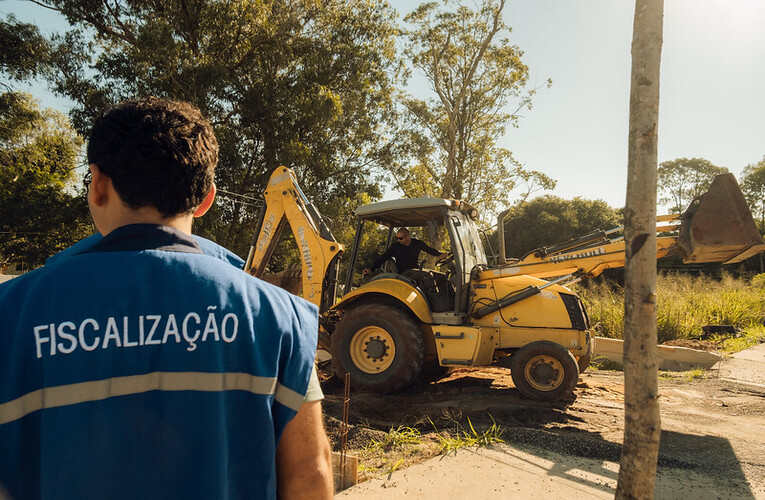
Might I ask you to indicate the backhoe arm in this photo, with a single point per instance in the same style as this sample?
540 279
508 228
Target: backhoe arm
587 256
320 253
716 227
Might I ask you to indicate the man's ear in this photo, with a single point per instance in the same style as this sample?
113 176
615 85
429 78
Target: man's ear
206 203
99 186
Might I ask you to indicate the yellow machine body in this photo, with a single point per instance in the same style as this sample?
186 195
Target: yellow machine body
470 313
405 294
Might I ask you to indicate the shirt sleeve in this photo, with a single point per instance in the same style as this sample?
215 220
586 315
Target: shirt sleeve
425 248
298 349
314 392
385 256
219 252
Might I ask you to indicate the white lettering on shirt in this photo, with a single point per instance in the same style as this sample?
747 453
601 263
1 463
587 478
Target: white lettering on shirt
67 337
150 339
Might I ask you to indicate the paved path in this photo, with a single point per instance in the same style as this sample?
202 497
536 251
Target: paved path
504 471
746 366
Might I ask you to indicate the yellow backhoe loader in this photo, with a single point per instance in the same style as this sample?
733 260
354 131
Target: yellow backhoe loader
467 312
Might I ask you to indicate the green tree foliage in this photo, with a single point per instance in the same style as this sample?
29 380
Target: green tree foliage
683 179
38 152
24 51
373 240
753 186
475 73
549 219
306 84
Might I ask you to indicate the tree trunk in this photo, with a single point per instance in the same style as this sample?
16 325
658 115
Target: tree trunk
642 421
450 177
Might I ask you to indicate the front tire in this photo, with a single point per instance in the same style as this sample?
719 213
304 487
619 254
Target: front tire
380 346
545 371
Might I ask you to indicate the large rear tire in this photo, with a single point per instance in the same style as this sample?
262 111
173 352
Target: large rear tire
545 371
380 346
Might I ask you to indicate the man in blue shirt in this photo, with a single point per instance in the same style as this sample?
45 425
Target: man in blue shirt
140 367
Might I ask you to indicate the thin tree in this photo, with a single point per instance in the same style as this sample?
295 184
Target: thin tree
475 73
683 179
642 421
753 186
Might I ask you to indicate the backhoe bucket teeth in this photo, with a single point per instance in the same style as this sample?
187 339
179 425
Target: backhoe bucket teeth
718 226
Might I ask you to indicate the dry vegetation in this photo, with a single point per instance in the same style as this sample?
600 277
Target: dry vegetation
686 304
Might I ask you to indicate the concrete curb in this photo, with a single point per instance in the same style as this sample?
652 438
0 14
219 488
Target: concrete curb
672 358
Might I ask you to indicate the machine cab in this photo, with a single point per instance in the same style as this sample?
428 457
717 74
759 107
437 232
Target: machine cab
444 224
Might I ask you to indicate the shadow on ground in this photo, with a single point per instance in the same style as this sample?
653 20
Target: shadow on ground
571 446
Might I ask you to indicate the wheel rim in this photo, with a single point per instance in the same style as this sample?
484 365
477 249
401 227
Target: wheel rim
372 349
544 373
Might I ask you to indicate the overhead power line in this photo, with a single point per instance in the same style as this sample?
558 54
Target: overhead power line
242 198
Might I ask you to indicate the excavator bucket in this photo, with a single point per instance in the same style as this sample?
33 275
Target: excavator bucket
718 226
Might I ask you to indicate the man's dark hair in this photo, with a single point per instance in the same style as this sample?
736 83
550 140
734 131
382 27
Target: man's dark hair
157 152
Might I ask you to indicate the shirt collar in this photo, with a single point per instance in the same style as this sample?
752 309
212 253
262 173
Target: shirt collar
137 237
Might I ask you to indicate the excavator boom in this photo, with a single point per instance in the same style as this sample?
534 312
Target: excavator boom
320 252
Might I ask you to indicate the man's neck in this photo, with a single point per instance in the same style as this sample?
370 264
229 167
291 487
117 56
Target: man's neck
144 215
110 212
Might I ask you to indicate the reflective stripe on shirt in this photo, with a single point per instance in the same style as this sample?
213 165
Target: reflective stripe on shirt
52 397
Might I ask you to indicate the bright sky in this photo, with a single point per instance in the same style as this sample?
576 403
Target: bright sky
712 99
712 95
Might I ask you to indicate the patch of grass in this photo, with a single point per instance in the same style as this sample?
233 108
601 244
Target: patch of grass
685 304
689 375
399 437
466 438
605 364
396 466
750 337
605 306
758 281
365 469
400 447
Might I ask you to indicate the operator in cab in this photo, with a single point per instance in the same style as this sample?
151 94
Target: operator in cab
406 250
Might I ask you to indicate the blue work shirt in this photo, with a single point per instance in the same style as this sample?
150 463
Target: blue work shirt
142 368
208 247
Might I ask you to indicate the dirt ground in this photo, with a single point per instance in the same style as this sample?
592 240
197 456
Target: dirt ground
712 428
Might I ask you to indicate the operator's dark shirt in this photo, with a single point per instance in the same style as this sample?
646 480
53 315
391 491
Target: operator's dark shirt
406 256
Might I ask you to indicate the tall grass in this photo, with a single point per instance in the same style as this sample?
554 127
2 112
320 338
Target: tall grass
685 304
